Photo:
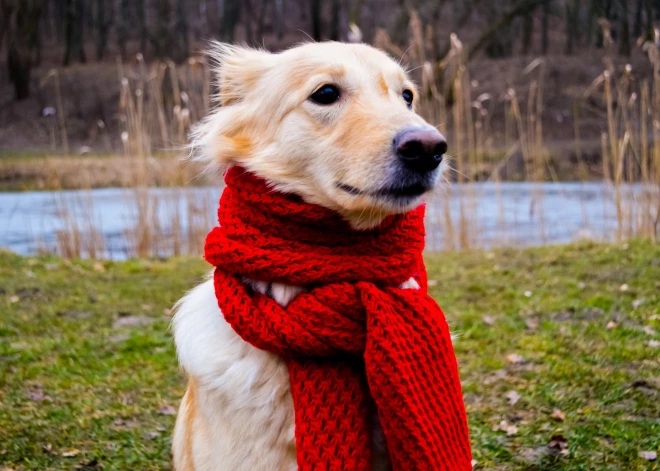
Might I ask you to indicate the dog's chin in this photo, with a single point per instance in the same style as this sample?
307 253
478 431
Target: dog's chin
366 209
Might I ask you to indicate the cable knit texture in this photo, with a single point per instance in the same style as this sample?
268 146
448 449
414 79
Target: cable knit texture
351 336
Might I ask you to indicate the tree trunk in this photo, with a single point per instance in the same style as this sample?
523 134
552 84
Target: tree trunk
545 23
649 31
316 20
502 23
261 19
246 18
123 28
335 20
500 42
75 20
230 19
570 27
528 30
637 27
104 19
624 39
161 34
141 17
279 19
21 23
181 28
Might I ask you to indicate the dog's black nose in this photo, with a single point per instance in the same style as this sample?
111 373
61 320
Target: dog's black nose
420 149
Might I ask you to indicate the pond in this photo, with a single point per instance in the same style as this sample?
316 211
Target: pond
481 215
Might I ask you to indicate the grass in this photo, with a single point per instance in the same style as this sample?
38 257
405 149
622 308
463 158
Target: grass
88 376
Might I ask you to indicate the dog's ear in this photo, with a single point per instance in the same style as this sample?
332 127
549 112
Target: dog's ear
237 69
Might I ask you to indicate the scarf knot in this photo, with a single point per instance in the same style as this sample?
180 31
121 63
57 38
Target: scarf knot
353 337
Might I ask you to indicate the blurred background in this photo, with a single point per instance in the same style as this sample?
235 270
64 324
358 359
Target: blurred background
101 94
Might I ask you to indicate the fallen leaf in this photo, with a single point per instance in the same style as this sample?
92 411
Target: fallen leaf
98 266
71 453
513 397
515 359
505 426
624 287
648 455
167 410
558 443
557 414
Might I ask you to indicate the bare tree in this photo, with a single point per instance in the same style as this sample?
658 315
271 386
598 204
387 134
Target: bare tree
316 19
521 7
279 18
105 13
572 24
335 20
74 31
161 35
20 24
624 33
141 17
122 27
232 10
649 31
181 29
545 21
528 30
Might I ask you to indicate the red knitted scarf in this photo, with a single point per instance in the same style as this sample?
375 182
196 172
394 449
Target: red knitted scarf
352 337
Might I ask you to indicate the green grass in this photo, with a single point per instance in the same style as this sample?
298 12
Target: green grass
79 377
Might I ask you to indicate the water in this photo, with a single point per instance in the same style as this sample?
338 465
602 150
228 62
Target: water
513 214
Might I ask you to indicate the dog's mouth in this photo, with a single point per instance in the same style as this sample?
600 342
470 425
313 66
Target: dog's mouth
414 190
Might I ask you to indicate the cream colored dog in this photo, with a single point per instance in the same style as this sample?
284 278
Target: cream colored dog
335 124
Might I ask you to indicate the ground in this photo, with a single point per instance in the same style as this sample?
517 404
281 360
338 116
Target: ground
558 349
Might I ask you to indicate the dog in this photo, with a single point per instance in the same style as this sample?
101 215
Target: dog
335 124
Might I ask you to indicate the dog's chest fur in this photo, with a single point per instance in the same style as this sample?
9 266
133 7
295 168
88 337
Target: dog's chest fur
238 411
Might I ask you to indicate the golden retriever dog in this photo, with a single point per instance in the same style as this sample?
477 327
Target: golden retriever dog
335 124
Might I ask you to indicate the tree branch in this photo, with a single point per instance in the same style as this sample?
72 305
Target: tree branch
520 8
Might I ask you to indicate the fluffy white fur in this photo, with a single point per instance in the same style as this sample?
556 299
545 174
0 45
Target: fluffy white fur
241 417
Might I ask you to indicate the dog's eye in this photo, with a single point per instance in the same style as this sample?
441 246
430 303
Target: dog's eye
408 97
326 95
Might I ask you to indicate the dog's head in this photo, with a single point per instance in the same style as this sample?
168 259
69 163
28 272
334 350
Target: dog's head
334 123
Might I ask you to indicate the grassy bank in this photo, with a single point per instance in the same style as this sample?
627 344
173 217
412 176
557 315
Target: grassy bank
558 351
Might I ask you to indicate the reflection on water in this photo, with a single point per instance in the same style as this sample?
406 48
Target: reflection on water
482 215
